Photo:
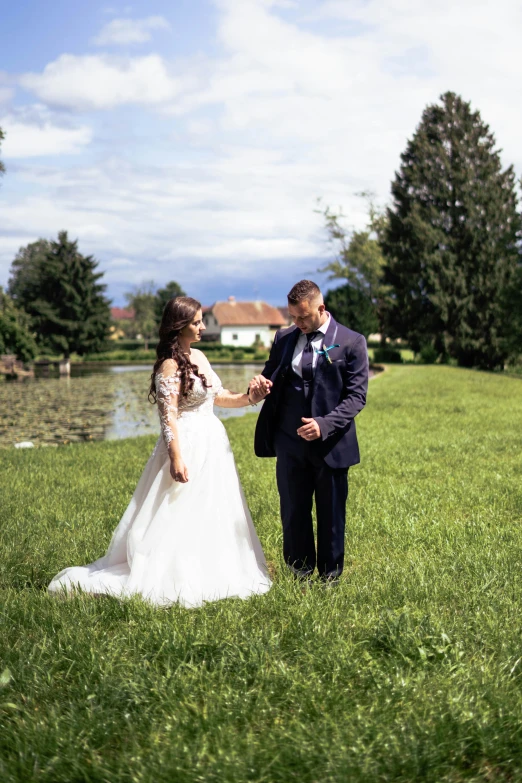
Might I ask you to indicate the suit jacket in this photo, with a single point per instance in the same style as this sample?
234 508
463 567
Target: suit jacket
338 393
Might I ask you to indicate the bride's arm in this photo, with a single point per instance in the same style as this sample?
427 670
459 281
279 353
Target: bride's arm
230 399
168 389
224 398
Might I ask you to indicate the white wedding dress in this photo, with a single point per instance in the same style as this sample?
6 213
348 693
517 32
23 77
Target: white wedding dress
186 543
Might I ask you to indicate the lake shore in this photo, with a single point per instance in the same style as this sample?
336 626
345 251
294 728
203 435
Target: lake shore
140 362
97 402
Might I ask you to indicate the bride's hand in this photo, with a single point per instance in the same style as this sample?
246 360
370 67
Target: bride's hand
259 387
178 471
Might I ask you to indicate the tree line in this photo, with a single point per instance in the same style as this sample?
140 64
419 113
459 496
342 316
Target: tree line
56 303
439 268
147 305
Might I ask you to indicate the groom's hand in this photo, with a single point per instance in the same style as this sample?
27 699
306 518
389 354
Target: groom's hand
310 430
258 388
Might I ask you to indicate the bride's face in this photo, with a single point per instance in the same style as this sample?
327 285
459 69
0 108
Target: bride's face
195 329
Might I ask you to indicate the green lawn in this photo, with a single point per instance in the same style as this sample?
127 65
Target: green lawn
411 670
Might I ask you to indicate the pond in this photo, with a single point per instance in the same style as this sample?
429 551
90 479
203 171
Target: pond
95 403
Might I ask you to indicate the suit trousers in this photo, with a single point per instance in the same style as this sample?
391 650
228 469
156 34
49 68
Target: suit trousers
301 473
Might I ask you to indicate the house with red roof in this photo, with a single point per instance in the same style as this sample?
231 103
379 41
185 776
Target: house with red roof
122 313
242 324
121 322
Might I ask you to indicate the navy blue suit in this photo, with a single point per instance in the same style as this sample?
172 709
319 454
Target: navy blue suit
337 394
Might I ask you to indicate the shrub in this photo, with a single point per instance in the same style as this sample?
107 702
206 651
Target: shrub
126 345
428 354
388 355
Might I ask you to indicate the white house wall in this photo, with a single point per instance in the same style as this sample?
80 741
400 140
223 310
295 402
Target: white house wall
211 324
245 336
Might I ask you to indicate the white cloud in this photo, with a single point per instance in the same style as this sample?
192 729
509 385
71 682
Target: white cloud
179 221
33 133
119 263
302 100
102 82
6 93
130 31
314 89
6 90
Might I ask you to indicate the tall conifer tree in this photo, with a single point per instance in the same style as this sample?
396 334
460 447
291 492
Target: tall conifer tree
60 291
352 308
15 331
27 268
164 295
451 240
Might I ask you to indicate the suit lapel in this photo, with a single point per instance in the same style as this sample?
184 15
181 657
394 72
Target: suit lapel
290 348
329 339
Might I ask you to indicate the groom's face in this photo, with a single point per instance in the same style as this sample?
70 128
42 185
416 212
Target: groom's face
308 315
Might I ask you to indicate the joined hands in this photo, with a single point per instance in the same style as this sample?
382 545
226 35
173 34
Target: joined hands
258 388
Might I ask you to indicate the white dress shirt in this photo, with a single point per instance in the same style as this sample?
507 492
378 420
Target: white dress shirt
317 344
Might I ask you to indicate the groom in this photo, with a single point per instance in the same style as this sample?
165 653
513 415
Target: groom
316 379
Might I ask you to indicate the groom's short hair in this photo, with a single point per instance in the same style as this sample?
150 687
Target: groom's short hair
304 289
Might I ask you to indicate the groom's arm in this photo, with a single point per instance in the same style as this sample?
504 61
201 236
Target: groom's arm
355 388
274 358
270 367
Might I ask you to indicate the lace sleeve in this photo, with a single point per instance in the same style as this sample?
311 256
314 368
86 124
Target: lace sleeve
167 394
217 386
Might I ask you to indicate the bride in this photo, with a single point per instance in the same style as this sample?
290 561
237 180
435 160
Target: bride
187 535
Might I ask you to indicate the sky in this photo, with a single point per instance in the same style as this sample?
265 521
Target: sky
191 140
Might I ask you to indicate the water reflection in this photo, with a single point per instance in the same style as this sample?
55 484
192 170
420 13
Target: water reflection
83 370
95 403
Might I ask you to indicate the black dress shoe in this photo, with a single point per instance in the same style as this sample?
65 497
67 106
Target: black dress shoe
330 581
301 575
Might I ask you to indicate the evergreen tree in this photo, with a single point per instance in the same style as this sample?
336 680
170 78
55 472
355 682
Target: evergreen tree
15 331
353 308
163 295
26 272
60 291
451 239
513 317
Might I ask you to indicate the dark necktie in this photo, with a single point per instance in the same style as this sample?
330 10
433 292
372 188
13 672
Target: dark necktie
308 358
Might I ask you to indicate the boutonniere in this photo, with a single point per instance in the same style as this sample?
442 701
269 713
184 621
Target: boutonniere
326 351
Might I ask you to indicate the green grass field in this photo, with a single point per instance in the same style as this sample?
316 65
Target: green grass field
411 670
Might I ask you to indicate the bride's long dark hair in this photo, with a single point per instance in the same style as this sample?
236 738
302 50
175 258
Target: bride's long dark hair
178 313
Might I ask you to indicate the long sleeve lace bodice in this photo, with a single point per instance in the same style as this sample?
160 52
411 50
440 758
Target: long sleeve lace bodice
172 406
168 383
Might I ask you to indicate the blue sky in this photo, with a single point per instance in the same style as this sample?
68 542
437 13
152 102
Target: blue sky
191 140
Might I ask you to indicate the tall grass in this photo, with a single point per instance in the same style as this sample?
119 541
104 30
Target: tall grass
410 670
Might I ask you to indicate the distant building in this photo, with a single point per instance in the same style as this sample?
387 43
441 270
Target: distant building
121 326
286 315
242 324
122 313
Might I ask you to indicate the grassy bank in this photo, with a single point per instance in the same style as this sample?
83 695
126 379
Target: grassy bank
214 351
216 354
222 356
117 360
411 670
